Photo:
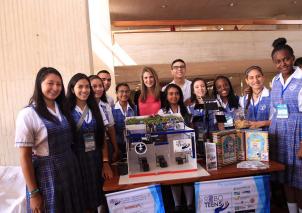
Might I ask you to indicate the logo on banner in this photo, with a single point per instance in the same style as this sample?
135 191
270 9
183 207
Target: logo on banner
216 202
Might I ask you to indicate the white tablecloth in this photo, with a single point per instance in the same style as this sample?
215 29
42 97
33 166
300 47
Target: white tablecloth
12 190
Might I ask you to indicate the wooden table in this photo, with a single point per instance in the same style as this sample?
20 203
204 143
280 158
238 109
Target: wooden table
230 171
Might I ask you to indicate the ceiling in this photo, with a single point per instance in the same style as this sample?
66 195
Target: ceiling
125 10
143 10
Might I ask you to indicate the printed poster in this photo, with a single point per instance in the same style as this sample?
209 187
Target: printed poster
146 199
241 195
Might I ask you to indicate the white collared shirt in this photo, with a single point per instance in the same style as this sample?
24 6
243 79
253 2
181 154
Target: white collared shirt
109 112
186 89
31 131
221 103
297 75
161 111
264 93
118 106
88 116
110 100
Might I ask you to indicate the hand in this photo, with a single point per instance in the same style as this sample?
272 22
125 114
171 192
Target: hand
300 151
253 124
36 203
107 171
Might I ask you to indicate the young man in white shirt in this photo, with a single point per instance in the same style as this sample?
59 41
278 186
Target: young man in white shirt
178 71
106 78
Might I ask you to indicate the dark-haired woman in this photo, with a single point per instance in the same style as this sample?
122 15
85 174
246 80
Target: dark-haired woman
173 103
202 121
44 138
101 98
257 104
224 93
286 123
89 139
123 108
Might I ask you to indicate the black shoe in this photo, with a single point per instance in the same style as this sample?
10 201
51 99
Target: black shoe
179 209
190 208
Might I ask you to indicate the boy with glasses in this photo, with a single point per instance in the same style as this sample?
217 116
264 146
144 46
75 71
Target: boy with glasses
178 71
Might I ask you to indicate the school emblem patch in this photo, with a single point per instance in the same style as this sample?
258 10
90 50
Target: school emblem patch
262 107
292 87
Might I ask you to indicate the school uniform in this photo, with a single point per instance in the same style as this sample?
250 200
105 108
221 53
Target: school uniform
286 126
258 110
106 113
201 125
229 113
119 119
106 109
89 154
55 165
110 100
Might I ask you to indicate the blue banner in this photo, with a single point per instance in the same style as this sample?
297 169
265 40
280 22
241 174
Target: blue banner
247 194
144 199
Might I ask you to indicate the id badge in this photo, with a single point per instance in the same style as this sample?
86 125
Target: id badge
89 142
229 121
282 111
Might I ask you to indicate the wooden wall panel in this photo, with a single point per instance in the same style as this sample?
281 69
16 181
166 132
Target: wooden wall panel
33 34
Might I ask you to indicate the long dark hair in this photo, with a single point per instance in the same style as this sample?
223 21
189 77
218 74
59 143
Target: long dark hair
193 95
104 97
37 99
91 103
166 105
233 100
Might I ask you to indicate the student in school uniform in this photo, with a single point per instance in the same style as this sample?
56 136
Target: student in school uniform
101 99
123 108
228 101
202 121
106 78
148 99
286 123
89 145
257 103
44 139
173 103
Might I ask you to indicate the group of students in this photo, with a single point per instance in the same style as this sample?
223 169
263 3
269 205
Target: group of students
67 142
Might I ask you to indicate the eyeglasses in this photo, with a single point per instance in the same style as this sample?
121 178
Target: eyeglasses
124 91
179 67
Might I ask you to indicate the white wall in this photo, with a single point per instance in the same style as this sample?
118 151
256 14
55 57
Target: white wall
36 33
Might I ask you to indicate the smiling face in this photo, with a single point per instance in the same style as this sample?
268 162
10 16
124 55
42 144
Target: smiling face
173 95
284 61
106 78
148 80
123 93
82 90
178 70
200 89
97 87
255 79
222 87
51 87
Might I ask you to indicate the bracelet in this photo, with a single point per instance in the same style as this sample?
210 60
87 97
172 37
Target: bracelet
33 192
